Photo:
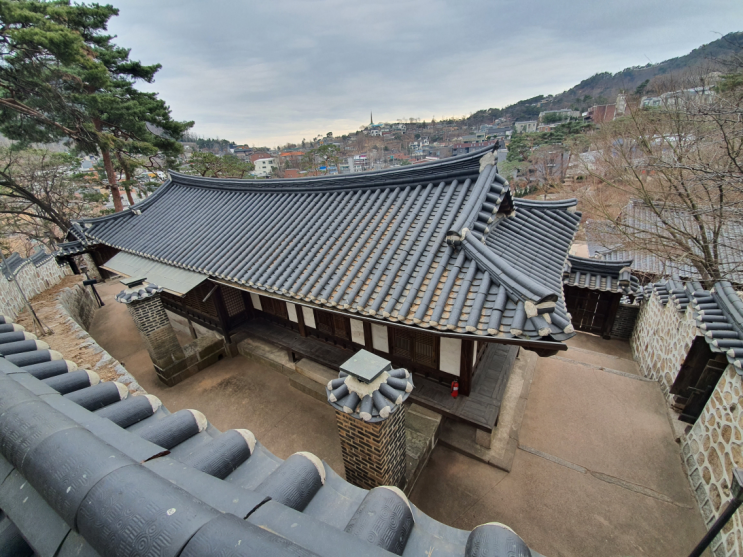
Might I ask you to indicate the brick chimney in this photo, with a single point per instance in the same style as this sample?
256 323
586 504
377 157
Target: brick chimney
143 301
368 398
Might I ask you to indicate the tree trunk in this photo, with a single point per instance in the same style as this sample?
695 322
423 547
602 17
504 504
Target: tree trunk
115 193
111 175
128 176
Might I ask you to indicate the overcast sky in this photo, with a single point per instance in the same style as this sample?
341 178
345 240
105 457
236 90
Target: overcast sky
267 73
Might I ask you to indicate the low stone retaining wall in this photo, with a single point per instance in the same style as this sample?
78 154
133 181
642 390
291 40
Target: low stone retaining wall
77 306
80 303
33 280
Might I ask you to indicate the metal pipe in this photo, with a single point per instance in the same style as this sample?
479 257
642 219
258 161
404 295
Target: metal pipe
737 492
23 295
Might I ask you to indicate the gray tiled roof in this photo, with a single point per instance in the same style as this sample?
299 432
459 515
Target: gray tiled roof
71 248
594 274
719 316
435 245
639 217
87 470
14 263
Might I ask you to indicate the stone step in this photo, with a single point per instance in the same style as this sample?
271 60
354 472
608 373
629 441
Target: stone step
308 386
422 428
316 372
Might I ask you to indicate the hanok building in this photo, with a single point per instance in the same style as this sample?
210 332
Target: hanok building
430 266
599 296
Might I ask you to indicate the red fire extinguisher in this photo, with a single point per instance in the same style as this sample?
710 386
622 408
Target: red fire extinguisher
454 389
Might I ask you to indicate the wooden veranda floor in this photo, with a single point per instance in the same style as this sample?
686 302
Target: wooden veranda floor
481 408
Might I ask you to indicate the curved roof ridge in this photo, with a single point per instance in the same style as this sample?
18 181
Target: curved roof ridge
517 283
730 301
598 264
547 204
456 163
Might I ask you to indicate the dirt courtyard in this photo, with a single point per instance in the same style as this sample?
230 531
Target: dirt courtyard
597 473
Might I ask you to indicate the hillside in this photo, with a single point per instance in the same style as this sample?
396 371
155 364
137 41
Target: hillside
602 88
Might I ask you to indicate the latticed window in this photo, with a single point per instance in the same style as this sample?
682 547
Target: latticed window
333 324
418 347
233 301
195 299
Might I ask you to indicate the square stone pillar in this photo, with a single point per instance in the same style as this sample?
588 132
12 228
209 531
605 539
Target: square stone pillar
146 308
368 398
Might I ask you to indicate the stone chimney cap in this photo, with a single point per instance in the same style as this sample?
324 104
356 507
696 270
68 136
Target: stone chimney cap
138 290
365 366
373 400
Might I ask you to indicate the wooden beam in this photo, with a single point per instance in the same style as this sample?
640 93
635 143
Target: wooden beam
465 367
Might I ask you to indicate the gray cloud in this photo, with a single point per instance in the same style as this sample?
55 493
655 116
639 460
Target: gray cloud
271 72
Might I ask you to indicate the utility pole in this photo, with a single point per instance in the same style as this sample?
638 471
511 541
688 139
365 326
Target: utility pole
35 317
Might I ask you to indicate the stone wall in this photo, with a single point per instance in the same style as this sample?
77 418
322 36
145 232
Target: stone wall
80 304
33 281
712 449
624 322
661 340
76 306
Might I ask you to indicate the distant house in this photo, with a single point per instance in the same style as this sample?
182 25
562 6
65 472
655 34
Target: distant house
600 113
259 155
463 148
528 126
561 115
264 167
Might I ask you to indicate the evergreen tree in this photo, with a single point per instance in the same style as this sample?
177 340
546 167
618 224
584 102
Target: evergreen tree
61 76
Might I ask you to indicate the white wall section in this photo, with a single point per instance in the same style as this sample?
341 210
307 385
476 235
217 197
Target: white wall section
379 338
451 352
309 317
291 309
357 331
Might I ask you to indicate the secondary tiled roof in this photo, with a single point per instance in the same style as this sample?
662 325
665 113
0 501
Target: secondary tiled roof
87 470
441 245
594 274
639 218
14 263
719 316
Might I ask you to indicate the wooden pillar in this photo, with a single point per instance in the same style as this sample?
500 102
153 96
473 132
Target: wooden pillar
368 336
73 265
609 324
300 320
465 367
248 303
222 315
